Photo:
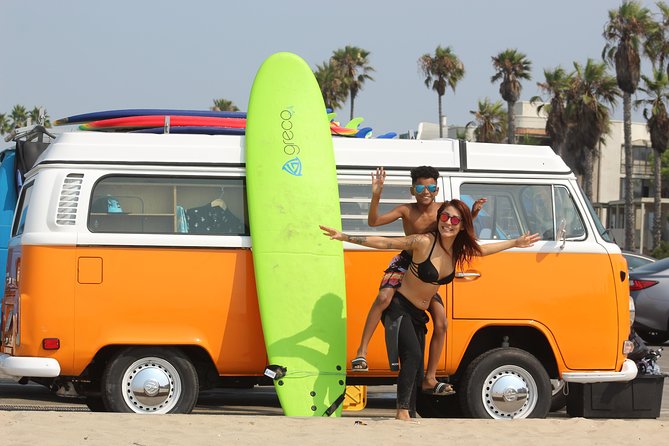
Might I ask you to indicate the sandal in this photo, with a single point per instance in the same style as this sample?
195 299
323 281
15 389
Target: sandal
440 389
359 364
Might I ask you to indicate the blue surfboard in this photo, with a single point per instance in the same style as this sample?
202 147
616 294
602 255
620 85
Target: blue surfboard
111 114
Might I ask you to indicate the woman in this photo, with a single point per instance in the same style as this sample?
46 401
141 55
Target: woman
434 257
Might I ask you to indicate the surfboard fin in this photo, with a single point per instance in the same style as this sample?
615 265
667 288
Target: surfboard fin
334 406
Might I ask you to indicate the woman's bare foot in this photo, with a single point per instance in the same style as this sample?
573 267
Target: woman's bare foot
403 414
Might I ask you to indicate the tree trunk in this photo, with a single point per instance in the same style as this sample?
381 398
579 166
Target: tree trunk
439 123
511 132
587 174
657 208
352 102
629 197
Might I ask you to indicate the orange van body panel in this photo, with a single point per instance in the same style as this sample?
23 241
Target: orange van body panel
46 309
530 278
207 297
464 331
170 296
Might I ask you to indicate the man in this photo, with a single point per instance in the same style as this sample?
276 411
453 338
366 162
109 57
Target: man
417 218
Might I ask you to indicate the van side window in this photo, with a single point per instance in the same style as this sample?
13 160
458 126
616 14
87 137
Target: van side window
163 205
537 202
22 209
355 196
512 209
500 218
566 211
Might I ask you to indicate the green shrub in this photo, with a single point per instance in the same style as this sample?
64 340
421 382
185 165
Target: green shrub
661 251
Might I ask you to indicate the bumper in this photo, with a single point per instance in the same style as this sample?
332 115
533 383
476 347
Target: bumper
626 373
29 366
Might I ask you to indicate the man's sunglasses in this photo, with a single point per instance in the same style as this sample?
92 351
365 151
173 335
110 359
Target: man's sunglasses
445 217
419 188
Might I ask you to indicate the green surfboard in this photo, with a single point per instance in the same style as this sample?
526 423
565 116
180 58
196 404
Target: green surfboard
292 188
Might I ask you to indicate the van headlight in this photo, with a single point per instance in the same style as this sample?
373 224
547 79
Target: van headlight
632 311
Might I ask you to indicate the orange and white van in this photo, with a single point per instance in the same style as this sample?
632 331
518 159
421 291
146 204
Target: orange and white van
130 279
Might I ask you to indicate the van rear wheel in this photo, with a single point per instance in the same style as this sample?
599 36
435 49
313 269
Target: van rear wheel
505 383
150 380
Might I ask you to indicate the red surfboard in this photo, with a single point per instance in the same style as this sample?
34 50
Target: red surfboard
153 121
134 122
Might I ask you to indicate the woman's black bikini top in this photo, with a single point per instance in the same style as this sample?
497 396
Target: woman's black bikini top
426 271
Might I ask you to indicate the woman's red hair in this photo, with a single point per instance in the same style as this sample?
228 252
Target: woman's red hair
465 245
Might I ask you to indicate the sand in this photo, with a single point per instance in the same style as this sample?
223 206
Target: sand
69 429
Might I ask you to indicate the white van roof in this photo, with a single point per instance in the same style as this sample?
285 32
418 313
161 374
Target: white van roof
350 153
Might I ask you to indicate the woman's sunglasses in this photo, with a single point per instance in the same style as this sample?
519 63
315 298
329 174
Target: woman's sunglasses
419 188
445 217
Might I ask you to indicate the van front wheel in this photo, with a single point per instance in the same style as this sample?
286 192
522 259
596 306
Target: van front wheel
505 383
150 380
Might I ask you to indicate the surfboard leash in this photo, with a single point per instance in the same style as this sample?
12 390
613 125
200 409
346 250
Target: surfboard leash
277 372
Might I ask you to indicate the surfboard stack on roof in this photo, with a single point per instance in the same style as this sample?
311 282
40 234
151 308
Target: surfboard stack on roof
292 188
181 121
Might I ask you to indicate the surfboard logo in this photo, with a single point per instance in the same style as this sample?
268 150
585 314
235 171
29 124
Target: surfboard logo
293 167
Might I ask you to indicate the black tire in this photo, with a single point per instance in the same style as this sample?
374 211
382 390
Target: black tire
558 398
150 380
654 337
95 404
429 406
505 383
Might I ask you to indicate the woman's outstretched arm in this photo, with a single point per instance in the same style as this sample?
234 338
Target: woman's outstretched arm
524 241
407 243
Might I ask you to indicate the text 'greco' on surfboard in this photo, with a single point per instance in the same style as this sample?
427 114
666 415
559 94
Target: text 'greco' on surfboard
289 146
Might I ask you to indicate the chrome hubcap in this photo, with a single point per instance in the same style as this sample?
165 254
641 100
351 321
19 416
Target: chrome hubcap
151 385
509 392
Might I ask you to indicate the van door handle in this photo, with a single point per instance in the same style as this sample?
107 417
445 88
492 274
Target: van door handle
467 275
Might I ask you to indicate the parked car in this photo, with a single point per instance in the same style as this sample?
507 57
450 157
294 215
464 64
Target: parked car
635 260
649 287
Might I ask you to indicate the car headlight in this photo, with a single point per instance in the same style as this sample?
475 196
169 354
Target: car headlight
632 311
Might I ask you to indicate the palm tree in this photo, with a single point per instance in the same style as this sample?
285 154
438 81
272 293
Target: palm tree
39 116
490 121
353 64
332 85
657 121
556 85
224 105
656 45
5 126
626 26
19 116
590 90
442 70
511 66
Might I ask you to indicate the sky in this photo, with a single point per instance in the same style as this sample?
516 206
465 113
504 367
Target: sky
73 57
